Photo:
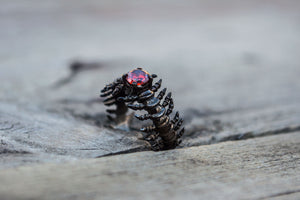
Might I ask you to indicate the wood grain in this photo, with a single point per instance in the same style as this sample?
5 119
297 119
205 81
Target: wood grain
233 70
251 169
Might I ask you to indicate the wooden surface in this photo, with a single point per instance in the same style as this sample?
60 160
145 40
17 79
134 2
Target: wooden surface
252 169
233 69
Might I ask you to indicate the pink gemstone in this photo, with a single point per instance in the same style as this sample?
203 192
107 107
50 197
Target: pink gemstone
137 77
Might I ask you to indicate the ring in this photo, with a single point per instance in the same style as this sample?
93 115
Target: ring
135 90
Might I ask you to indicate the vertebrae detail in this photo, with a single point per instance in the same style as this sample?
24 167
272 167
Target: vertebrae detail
164 133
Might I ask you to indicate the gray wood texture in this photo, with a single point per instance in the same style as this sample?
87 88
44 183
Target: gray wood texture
232 66
262 168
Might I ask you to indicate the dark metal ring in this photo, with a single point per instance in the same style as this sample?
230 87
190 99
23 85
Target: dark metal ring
136 86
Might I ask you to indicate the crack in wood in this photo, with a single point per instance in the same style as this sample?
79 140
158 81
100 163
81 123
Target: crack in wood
10 151
75 68
134 150
8 128
284 193
247 135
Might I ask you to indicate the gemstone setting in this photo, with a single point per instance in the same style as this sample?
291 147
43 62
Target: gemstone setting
138 77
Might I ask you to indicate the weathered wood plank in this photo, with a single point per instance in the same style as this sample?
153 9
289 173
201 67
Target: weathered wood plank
207 128
252 169
232 74
33 135
233 68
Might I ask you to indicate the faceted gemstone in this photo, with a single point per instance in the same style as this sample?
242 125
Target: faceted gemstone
138 77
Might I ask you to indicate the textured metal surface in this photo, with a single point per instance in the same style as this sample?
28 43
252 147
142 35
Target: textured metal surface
163 133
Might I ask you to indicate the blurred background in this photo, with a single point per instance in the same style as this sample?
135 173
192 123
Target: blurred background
218 55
